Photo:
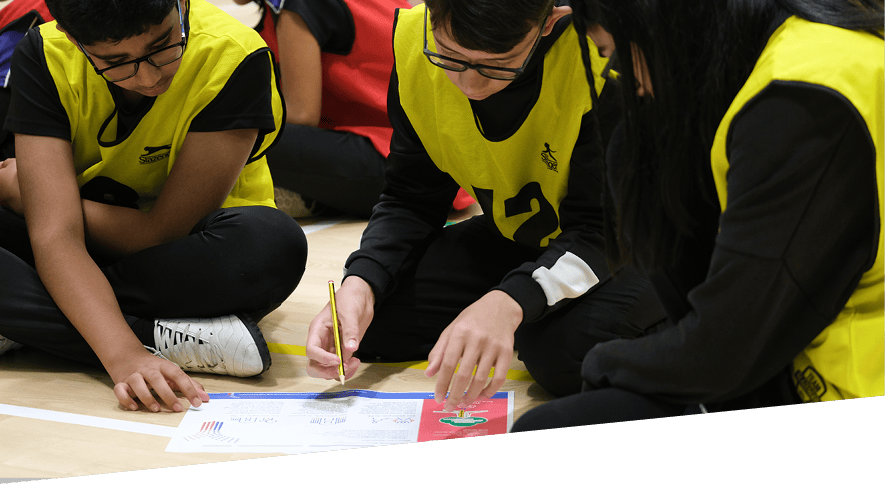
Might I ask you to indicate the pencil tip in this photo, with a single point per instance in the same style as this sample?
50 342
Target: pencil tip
341 377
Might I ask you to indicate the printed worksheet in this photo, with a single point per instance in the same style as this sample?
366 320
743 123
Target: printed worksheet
294 423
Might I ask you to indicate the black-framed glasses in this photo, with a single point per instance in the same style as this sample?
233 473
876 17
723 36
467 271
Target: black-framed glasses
499 73
610 72
159 58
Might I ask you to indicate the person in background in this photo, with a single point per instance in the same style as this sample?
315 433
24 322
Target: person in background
335 58
16 17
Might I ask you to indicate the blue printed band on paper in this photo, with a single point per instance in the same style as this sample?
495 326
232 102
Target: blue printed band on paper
326 396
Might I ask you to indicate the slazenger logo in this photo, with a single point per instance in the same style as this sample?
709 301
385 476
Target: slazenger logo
154 154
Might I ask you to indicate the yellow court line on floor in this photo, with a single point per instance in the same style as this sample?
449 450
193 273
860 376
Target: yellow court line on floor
285 349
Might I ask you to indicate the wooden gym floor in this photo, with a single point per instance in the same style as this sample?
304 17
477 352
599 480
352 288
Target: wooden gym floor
60 419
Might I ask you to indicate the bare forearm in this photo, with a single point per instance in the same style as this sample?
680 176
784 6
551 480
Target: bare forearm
83 294
300 70
205 171
124 230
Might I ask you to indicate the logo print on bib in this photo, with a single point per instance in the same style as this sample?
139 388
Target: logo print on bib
153 154
809 384
548 158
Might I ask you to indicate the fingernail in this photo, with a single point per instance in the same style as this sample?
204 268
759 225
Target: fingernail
196 402
133 407
155 408
176 407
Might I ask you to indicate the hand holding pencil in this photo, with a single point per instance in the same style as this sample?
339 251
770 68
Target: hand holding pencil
354 308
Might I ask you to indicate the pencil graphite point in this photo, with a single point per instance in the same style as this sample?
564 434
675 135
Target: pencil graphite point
341 377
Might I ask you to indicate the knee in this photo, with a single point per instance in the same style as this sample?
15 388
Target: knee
282 235
284 244
554 365
269 233
640 308
531 420
283 249
273 245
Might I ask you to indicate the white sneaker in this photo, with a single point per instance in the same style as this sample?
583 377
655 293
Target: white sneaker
229 345
7 344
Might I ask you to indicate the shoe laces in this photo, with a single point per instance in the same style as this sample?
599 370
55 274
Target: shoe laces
186 348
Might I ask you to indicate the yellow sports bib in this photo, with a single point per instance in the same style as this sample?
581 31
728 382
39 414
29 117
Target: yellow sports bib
130 168
846 360
519 181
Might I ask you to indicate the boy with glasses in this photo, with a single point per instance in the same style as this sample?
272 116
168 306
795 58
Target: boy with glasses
140 132
490 96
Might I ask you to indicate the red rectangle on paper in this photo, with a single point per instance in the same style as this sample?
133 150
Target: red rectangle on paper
483 417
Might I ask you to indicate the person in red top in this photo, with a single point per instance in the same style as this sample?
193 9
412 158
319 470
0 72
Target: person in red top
16 18
335 58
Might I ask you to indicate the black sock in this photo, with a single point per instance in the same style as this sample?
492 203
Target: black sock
143 329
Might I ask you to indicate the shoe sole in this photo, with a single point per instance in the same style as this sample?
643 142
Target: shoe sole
259 340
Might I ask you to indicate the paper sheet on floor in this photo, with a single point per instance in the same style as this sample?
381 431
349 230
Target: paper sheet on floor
294 423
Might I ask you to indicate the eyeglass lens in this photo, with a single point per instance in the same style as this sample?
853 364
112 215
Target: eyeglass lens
159 59
450 64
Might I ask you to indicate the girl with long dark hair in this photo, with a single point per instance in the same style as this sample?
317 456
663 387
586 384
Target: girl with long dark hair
746 180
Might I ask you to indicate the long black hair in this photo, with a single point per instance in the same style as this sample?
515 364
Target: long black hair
699 54
584 16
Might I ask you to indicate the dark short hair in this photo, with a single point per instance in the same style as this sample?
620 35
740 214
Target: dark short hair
92 21
494 26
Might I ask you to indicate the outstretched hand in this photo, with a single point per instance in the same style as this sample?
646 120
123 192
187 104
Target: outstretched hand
480 338
140 375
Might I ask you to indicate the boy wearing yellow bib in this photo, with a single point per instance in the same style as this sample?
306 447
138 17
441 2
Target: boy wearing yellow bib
491 97
141 128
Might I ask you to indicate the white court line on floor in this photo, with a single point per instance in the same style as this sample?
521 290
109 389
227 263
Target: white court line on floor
122 425
322 225
86 420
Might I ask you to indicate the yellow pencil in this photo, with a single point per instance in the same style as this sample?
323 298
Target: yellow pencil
335 331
